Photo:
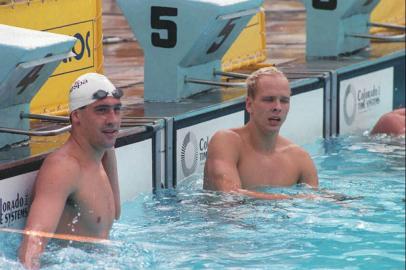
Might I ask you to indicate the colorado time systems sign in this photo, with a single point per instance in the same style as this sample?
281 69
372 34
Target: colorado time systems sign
364 99
192 143
15 199
14 209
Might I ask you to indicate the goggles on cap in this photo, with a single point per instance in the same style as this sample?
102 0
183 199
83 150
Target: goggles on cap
100 94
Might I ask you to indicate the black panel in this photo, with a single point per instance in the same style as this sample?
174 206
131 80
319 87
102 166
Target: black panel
24 168
308 87
134 138
399 84
325 4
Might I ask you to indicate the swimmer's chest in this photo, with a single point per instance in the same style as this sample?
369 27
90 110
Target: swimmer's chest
94 200
273 170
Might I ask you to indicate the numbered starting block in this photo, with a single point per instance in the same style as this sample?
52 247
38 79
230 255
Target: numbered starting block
336 27
28 58
184 41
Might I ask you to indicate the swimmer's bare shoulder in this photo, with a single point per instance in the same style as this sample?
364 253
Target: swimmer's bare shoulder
56 180
285 145
401 111
302 159
60 166
227 143
392 123
221 171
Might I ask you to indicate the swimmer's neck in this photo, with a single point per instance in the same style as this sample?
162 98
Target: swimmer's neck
86 149
264 142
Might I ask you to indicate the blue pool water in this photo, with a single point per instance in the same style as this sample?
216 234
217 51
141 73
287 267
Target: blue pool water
363 228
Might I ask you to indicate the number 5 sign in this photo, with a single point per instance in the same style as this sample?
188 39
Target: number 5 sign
184 39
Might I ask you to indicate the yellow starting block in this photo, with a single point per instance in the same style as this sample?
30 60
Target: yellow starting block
77 18
250 46
388 11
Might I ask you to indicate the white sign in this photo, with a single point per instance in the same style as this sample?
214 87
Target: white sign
192 143
305 119
134 164
364 99
15 199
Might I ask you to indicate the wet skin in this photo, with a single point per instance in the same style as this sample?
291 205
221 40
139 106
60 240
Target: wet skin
255 155
73 193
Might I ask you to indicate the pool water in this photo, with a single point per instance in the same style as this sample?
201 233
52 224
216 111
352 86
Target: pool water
360 226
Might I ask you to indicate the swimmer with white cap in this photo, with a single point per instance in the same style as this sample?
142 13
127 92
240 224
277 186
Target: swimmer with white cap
76 190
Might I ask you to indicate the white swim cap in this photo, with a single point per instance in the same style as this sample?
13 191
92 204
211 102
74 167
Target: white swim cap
84 89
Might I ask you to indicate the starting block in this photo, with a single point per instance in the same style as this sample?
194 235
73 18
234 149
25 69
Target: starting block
76 18
336 27
184 41
28 58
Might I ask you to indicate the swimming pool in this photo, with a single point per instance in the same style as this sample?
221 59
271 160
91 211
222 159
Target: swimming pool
190 228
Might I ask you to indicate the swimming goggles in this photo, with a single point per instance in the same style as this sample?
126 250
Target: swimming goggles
100 94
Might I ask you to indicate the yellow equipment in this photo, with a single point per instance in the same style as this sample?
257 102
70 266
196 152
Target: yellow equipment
388 11
250 46
78 18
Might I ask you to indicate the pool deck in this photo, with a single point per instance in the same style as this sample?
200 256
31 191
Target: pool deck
124 59
285 44
286 40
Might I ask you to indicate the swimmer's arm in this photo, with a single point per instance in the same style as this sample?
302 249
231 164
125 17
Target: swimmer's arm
221 172
52 187
308 173
220 176
264 195
110 165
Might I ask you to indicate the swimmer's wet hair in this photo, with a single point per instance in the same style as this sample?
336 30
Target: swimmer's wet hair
253 78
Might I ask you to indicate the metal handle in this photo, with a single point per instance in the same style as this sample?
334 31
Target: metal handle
388 25
214 83
231 74
388 38
53 132
290 74
52 118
